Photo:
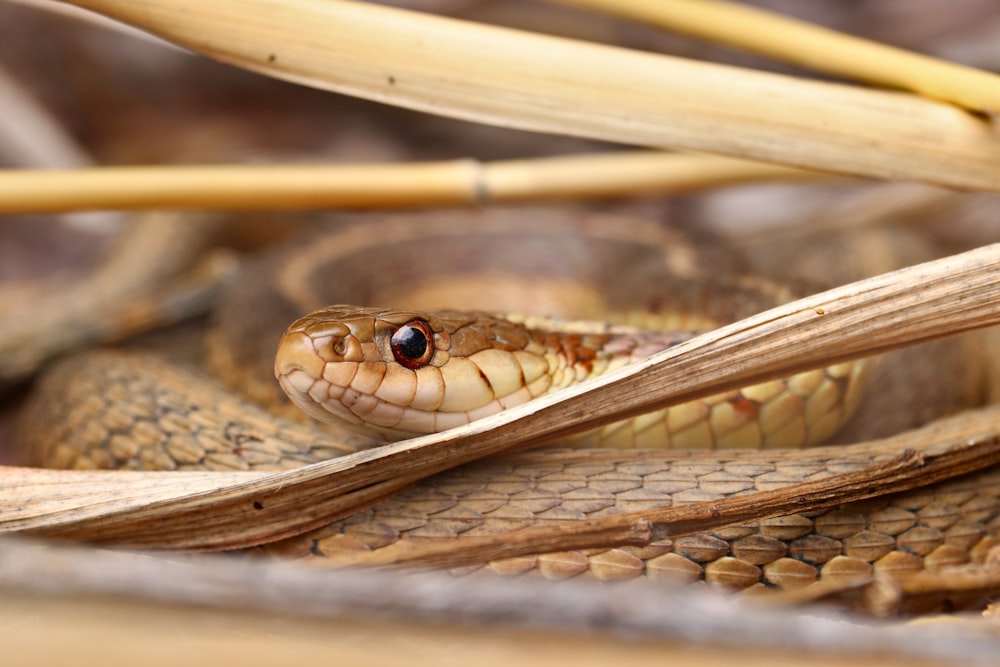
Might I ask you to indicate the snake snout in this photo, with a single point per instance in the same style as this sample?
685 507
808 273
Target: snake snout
297 366
297 354
304 374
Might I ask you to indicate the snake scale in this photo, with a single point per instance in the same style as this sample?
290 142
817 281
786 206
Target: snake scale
108 410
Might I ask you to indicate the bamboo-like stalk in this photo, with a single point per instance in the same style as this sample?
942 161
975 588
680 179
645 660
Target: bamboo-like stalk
548 84
288 187
812 46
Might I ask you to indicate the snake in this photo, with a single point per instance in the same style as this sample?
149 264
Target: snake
434 355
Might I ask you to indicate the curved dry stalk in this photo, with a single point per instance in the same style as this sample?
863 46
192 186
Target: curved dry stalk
518 79
915 304
812 46
382 186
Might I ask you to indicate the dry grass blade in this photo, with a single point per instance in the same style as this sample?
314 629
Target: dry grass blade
918 303
375 186
813 46
45 494
548 84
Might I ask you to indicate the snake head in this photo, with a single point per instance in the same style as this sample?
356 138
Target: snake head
324 353
397 374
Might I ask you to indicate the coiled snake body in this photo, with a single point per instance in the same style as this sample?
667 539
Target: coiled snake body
143 414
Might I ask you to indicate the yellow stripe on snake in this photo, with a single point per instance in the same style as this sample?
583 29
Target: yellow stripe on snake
392 373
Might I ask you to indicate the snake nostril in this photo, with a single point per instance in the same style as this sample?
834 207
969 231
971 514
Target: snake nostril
339 347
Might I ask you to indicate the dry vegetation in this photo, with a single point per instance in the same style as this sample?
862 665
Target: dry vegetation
844 149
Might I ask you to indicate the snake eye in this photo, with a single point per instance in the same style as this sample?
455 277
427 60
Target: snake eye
411 344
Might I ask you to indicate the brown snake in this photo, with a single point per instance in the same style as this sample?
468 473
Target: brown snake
144 414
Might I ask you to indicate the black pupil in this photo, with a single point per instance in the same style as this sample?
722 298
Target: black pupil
411 342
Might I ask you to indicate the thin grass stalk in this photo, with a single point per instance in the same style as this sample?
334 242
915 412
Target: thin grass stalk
362 186
812 46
